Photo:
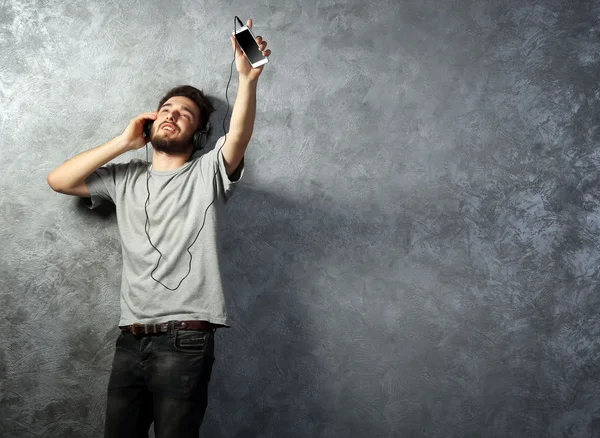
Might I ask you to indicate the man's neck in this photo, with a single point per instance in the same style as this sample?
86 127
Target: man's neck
162 161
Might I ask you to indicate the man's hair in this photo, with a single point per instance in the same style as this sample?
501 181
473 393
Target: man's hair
204 104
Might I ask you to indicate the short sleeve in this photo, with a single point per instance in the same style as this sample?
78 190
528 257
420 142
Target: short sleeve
103 182
214 163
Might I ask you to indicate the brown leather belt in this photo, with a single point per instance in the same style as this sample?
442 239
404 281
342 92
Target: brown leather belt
167 327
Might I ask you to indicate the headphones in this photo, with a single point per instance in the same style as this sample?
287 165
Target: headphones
196 138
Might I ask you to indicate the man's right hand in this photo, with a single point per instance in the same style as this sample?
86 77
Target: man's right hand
133 135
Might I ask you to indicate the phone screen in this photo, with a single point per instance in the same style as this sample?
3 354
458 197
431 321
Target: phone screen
248 44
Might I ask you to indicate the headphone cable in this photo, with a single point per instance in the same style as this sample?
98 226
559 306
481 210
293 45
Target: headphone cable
146 225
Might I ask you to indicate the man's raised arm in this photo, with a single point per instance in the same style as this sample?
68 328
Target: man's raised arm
244 109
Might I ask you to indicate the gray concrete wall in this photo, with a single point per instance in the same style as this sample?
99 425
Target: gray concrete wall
413 251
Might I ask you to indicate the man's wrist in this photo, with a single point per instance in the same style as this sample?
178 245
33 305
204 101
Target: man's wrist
245 80
122 144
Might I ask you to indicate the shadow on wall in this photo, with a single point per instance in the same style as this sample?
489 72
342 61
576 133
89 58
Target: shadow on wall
298 358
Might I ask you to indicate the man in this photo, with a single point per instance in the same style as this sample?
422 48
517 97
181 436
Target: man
171 293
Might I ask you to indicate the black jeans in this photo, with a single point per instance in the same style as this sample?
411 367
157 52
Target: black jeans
161 378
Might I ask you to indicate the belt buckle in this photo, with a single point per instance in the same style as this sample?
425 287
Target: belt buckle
134 326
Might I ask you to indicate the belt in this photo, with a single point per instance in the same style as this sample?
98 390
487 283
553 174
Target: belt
166 327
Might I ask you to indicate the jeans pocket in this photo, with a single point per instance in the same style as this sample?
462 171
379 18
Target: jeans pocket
192 341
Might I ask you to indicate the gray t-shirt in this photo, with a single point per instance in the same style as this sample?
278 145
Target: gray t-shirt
181 202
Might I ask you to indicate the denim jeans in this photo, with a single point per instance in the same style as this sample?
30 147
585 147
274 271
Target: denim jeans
162 378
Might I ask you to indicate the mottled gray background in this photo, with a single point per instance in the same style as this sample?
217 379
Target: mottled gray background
413 251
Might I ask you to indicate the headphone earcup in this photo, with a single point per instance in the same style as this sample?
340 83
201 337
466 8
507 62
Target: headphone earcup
197 140
148 127
197 137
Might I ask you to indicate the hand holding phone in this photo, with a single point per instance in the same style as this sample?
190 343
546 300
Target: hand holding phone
253 48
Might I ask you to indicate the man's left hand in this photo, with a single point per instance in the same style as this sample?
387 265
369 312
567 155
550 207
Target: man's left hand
242 64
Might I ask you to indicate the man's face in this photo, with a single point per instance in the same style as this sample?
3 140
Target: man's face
175 124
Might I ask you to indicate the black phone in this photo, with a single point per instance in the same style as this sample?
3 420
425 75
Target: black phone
148 127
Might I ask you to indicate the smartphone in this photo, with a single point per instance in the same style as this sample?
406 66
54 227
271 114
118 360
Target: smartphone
247 42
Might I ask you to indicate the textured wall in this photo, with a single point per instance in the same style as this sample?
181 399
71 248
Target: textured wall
413 251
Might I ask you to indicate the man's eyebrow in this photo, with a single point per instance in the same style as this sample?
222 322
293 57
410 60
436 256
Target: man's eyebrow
188 110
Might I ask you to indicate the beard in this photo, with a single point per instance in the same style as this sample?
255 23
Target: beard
163 143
